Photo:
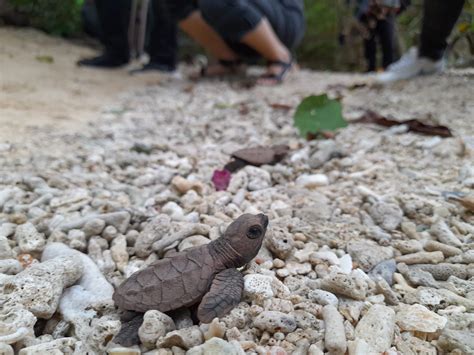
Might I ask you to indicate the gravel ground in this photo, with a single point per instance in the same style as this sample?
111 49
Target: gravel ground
369 249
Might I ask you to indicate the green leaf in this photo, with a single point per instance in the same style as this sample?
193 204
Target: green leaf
318 113
222 105
45 59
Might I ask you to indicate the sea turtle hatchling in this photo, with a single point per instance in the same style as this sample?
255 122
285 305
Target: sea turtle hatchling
206 275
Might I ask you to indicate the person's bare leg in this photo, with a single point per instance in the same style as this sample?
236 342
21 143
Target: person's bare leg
195 26
198 29
264 40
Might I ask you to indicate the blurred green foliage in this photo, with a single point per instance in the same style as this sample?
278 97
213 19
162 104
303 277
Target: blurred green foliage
319 46
58 17
409 24
328 20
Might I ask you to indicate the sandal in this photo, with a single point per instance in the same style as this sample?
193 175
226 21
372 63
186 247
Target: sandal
278 78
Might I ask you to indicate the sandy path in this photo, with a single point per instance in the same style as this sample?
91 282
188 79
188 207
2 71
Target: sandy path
54 94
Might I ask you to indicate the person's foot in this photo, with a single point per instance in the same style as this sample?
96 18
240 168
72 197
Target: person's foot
154 66
276 72
410 66
221 68
103 61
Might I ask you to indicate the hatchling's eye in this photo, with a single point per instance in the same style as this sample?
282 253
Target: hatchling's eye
254 232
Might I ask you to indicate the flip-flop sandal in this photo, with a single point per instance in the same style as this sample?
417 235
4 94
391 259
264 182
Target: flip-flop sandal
278 78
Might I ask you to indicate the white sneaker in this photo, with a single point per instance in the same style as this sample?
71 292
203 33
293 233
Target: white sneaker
409 66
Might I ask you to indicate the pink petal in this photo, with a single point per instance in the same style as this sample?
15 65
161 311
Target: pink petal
221 179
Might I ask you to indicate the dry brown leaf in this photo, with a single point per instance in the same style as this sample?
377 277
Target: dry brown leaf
413 125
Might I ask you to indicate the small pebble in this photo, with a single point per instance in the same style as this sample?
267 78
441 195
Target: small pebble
421 257
312 181
273 321
377 327
335 335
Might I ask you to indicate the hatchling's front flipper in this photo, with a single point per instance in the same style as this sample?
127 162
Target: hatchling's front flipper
225 293
128 334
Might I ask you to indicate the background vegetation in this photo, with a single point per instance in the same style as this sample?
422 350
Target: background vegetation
328 21
57 17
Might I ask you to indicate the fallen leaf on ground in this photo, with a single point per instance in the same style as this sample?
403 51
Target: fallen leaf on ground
318 113
221 179
256 156
45 59
279 106
413 125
